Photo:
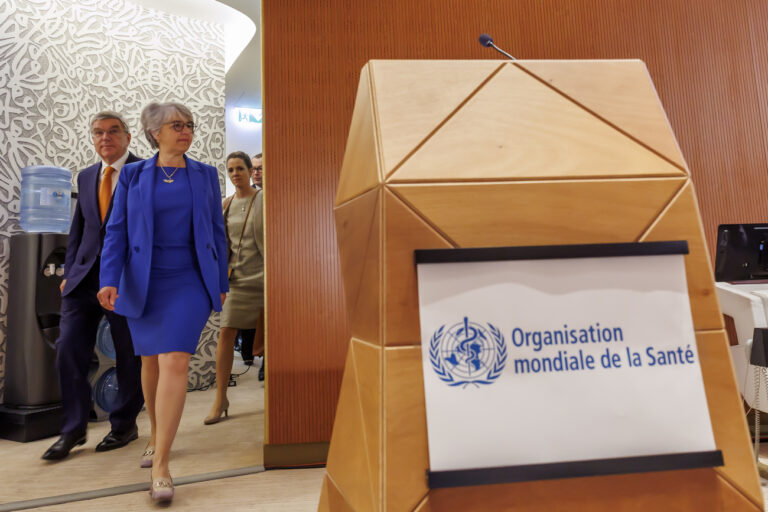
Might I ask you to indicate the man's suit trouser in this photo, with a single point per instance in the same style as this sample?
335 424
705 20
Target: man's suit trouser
80 316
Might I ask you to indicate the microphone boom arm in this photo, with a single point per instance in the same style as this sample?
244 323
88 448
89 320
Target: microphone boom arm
501 51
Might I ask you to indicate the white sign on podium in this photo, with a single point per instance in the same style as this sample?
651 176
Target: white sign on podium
554 362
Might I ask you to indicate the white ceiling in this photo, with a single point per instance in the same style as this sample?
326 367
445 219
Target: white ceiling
239 28
243 82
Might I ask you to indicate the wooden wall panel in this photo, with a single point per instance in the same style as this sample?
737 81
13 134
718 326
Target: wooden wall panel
707 59
758 17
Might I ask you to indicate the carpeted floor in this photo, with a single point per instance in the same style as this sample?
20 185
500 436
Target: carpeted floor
198 450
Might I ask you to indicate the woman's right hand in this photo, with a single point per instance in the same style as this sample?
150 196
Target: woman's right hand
107 297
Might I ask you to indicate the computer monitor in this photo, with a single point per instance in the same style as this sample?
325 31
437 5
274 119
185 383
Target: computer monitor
742 252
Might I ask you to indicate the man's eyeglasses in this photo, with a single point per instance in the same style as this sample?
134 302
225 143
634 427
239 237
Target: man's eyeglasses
179 125
112 132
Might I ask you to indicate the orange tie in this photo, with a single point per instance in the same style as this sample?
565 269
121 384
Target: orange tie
105 191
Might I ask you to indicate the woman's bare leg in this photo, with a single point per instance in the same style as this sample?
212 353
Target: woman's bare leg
149 375
169 404
225 353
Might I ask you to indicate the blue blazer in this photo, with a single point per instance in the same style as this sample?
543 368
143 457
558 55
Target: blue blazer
86 233
126 259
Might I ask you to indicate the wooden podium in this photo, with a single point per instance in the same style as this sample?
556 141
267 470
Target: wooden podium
448 154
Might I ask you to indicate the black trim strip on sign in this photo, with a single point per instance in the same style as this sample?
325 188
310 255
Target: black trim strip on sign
577 469
546 252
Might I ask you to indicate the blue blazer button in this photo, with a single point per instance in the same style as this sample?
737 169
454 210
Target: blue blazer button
135 248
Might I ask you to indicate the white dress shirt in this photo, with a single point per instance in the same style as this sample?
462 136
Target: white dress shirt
117 166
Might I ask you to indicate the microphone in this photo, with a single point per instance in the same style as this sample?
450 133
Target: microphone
487 41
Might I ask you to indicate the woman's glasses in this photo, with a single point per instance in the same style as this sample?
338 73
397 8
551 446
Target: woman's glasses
179 125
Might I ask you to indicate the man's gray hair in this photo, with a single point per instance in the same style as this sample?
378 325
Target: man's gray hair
155 115
108 114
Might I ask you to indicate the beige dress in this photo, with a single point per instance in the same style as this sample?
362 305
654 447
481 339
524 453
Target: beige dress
246 281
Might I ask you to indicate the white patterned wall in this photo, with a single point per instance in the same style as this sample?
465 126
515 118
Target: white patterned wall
61 61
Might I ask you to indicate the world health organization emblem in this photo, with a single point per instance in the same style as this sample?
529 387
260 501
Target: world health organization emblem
468 353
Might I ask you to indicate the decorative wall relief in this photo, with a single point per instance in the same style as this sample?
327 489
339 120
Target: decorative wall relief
61 61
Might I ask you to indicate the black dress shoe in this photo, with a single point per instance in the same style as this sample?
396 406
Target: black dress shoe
261 371
62 447
117 439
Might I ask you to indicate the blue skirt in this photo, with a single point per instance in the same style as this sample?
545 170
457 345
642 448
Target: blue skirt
177 308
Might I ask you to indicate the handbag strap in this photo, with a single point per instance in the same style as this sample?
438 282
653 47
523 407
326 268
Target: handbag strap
227 202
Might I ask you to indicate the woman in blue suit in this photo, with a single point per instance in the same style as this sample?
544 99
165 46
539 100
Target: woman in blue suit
164 267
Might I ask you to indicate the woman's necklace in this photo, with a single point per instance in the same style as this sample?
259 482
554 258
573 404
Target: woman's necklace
169 177
242 208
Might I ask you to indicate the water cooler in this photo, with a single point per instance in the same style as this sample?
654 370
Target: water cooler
31 408
32 403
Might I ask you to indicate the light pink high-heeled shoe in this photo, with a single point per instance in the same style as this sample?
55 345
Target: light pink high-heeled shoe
161 490
146 457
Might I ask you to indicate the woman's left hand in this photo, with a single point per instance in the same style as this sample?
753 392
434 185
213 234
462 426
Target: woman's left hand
107 296
223 298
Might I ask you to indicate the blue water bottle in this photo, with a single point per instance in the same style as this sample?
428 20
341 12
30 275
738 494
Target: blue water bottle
106 391
46 193
104 342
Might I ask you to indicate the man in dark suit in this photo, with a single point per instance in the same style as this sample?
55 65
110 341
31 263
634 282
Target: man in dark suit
80 309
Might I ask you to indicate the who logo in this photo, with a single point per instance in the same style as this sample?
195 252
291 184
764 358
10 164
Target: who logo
468 353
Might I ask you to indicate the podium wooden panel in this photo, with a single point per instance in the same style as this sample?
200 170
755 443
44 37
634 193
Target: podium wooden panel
488 153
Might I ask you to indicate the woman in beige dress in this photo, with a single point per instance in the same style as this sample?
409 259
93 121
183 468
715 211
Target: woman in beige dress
245 240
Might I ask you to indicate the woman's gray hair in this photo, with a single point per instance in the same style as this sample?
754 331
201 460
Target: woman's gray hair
155 115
